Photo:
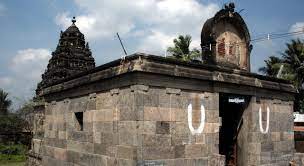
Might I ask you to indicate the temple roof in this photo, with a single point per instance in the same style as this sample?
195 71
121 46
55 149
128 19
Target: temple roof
73 28
72 56
145 69
225 40
228 14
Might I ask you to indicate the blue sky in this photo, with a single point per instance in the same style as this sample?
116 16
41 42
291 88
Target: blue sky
30 30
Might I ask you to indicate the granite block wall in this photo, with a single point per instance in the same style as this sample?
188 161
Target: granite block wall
145 125
276 146
136 125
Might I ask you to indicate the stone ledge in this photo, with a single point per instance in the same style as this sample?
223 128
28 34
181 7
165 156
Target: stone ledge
120 74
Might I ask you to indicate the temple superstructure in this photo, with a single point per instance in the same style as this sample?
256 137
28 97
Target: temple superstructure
72 56
225 40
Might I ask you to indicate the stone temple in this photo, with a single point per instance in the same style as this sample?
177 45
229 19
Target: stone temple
149 110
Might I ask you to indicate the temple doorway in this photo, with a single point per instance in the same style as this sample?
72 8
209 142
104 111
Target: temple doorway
232 107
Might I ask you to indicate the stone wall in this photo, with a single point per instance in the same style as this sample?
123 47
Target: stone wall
142 125
298 159
136 113
35 153
137 125
276 147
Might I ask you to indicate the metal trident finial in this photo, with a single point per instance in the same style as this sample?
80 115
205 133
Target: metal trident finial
73 20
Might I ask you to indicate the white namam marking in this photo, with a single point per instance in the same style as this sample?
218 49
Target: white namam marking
200 129
267 122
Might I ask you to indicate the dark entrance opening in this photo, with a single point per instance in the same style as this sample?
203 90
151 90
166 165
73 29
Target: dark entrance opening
232 107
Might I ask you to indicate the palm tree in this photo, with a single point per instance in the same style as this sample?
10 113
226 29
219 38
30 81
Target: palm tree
293 61
294 57
4 102
181 49
272 67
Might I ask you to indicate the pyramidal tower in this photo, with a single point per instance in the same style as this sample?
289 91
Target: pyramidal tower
71 57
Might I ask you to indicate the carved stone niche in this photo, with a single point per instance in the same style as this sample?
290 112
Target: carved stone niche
225 40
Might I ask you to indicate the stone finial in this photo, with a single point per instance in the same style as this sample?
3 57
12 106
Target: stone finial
230 6
73 20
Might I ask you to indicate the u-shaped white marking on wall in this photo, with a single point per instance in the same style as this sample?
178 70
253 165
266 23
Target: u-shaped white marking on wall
267 122
200 129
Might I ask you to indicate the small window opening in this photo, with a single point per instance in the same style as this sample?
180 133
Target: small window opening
79 119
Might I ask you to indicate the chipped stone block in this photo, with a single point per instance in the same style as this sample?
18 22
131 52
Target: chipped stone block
200 139
156 114
126 152
81 136
179 128
114 91
147 127
60 154
84 147
275 136
196 150
100 148
211 128
173 91
48 151
110 138
111 151
182 139
128 138
130 113
212 116
48 161
158 152
124 162
97 137
78 104
62 135
156 140
128 126
216 160
139 88
179 151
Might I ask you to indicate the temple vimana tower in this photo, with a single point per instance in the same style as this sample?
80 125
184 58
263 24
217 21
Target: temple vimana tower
148 110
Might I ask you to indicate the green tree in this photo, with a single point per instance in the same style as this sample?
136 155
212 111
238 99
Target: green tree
293 62
293 70
27 113
294 57
272 67
181 49
5 102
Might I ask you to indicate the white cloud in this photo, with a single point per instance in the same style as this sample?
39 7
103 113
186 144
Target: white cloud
154 23
155 43
85 23
298 27
30 63
24 70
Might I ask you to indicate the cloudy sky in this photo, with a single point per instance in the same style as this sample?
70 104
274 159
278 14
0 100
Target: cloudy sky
30 29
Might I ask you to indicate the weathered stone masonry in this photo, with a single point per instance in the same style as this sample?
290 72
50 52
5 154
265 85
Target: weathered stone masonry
135 113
